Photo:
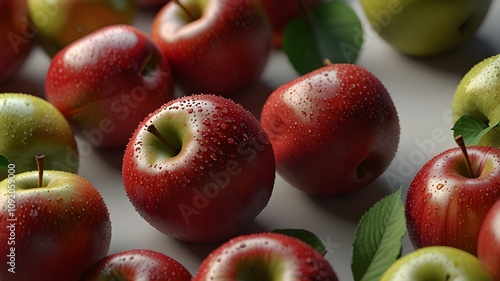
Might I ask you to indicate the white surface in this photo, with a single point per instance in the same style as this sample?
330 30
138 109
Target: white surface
422 90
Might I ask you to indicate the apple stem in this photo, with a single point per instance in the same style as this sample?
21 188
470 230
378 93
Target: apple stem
191 16
460 141
152 129
40 163
327 61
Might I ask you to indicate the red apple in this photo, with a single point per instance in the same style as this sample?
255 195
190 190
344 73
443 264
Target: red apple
221 47
333 130
107 82
281 12
54 225
199 169
447 203
17 35
488 241
265 256
137 264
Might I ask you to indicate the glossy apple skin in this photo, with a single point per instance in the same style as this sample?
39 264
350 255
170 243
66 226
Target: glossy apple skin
17 37
137 264
334 130
281 12
270 255
59 229
29 126
222 52
446 207
108 82
488 241
59 23
220 181
437 263
425 28
476 95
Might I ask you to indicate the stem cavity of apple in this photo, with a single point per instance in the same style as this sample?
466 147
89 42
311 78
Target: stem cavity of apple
460 141
153 130
40 163
185 10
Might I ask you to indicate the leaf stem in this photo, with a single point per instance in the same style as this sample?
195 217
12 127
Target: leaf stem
460 141
153 130
40 163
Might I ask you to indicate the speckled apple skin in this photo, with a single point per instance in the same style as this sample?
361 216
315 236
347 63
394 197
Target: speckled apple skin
107 82
288 258
334 130
137 264
446 207
220 181
488 241
60 229
478 95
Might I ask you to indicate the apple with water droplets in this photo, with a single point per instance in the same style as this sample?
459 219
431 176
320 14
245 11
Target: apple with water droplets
214 46
488 241
265 256
200 168
55 224
450 196
29 125
333 130
107 82
136 264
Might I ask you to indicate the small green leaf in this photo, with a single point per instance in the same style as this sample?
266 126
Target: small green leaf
472 129
378 239
306 236
331 30
4 162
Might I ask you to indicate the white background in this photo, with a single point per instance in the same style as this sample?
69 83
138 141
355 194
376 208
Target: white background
422 90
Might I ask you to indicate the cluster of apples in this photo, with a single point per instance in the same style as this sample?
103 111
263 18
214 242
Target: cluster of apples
187 159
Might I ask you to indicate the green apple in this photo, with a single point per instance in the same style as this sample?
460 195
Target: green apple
478 95
425 27
29 126
60 22
437 263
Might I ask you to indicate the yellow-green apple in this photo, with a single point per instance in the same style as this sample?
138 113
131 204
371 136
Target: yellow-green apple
136 264
488 241
17 35
60 22
450 195
476 95
333 130
437 263
29 125
107 82
425 28
265 256
280 12
54 225
199 169
214 46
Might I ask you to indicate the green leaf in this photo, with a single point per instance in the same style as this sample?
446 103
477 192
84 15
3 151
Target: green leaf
4 162
472 129
378 239
306 236
331 30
